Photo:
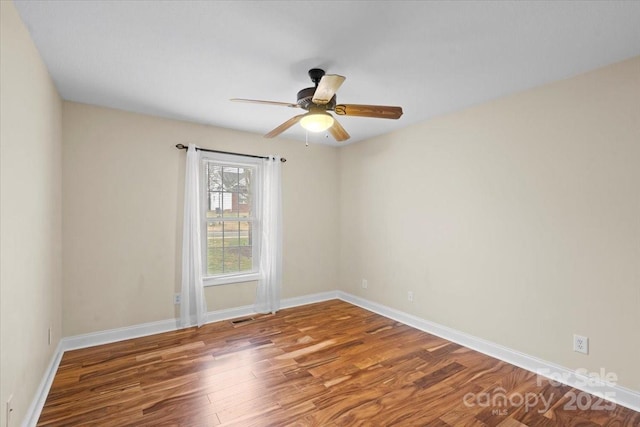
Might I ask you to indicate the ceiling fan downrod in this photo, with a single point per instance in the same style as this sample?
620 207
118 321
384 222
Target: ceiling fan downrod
316 75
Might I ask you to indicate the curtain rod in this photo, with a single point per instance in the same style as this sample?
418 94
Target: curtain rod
184 147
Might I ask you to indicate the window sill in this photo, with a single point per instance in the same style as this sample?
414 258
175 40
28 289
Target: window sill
227 280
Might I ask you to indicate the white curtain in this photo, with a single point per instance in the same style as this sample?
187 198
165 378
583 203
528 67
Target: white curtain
270 282
193 306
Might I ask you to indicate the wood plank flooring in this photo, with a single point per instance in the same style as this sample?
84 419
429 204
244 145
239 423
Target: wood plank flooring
325 364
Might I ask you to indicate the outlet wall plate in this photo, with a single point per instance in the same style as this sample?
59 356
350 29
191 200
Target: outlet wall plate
365 284
580 344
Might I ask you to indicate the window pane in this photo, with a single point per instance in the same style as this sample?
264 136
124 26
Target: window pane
215 257
214 175
245 190
229 205
214 204
231 234
214 234
231 260
229 247
245 234
246 258
230 178
230 186
244 205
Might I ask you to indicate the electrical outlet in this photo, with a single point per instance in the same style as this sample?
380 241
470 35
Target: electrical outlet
410 296
365 284
580 344
177 299
49 336
9 409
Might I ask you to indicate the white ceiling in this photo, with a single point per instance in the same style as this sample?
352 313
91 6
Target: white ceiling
185 59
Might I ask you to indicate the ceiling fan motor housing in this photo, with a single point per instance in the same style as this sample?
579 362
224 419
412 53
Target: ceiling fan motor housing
305 97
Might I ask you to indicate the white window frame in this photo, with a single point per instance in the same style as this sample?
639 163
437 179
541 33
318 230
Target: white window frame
256 229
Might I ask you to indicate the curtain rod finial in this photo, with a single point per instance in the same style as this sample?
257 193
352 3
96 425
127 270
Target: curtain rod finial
181 147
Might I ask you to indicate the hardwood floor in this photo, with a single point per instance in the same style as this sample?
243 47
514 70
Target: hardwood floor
325 364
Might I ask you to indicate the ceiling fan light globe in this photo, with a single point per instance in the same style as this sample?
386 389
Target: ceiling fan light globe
317 122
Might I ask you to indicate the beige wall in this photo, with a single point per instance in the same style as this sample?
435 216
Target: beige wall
30 218
123 183
517 221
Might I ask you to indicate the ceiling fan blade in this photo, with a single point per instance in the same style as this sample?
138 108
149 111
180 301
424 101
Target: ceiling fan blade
327 87
377 111
257 101
338 132
286 125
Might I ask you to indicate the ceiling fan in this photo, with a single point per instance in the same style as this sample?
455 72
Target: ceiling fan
321 99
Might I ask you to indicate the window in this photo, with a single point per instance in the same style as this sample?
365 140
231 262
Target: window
231 219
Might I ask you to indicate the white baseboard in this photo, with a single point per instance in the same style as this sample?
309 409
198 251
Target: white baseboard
614 393
33 412
248 310
623 396
119 334
309 299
